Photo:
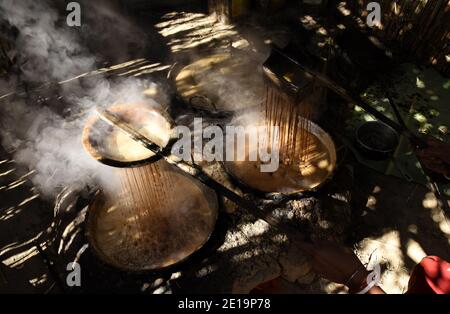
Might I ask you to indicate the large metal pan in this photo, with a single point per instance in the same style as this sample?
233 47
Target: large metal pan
287 180
145 239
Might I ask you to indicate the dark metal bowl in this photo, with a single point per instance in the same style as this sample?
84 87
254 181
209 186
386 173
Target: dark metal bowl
376 140
96 134
329 146
99 213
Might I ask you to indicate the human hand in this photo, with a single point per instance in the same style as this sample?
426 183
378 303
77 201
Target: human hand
336 263
435 156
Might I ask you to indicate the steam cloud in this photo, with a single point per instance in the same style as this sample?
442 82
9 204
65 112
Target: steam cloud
40 136
48 139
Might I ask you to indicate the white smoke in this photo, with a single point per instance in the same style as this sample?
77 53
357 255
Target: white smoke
48 52
40 136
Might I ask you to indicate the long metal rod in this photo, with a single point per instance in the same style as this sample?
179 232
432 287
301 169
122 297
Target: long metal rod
51 268
432 184
193 170
345 94
414 139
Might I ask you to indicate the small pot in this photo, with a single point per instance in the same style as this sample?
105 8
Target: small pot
376 140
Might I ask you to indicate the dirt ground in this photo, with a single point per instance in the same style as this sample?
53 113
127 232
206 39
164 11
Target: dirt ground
395 222
400 224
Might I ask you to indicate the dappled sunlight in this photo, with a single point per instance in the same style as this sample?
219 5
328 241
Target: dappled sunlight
415 251
17 260
185 31
148 69
430 201
371 202
216 70
419 83
16 245
2 174
342 7
71 240
246 256
136 67
8 211
179 18
252 230
195 25
29 199
39 280
15 184
402 224
396 8
413 229
205 271
419 19
387 250
309 22
16 255
376 189
105 70
22 224
444 226
437 214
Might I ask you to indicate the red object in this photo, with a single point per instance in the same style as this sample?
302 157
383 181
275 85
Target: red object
431 276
